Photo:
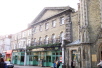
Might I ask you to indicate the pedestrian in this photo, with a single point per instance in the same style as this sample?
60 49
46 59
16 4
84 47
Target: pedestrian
73 64
58 63
54 64
2 63
100 64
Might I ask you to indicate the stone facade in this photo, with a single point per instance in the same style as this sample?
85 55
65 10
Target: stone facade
88 49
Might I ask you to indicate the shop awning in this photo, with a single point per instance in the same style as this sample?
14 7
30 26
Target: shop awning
74 43
9 52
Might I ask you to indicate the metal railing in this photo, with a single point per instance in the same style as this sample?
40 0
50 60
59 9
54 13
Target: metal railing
50 41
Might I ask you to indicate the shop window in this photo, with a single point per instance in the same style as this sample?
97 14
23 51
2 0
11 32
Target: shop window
56 53
36 58
53 53
48 58
22 58
30 58
60 53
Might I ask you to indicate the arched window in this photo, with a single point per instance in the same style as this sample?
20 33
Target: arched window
34 41
53 38
40 41
61 36
46 39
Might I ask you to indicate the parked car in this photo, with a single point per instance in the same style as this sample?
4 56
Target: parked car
9 64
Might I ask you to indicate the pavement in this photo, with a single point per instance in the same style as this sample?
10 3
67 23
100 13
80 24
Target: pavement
17 66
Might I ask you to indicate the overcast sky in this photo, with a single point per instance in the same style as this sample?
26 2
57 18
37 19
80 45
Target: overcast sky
16 14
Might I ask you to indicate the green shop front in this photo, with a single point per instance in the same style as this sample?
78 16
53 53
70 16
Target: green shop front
43 56
18 56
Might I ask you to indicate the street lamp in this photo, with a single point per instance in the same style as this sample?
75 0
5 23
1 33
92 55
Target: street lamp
63 45
25 56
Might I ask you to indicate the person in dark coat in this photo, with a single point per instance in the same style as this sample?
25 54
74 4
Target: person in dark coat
2 63
54 64
73 64
58 63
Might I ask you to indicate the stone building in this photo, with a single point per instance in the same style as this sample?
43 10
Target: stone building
86 47
49 27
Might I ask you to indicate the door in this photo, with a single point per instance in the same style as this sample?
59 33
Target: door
48 60
15 61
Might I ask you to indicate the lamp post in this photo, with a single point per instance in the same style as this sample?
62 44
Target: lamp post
63 53
25 56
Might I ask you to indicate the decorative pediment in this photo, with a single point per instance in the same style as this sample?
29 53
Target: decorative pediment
49 12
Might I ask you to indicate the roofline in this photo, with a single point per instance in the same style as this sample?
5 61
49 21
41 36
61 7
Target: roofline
53 16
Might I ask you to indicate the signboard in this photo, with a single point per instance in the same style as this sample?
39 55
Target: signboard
94 58
60 59
39 49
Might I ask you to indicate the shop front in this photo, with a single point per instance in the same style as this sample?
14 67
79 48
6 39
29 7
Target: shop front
43 56
8 55
18 56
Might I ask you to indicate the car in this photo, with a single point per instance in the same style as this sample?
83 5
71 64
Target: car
9 64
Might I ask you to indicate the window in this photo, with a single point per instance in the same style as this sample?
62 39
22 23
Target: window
34 41
53 23
53 38
29 32
23 34
62 20
46 25
34 29
40 41
61 36
29 42
40 28
46 39
22 58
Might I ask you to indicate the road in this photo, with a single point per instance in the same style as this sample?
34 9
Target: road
16 66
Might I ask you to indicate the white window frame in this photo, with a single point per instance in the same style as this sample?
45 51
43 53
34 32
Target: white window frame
61 36
40 40
46 39
62 20
34 41
54 23
53 38
40 28
46 26
34 29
